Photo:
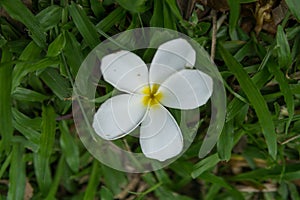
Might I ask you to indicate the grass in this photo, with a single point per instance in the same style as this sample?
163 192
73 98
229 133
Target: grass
43 44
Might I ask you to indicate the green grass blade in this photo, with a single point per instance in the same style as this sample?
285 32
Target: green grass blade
84 25
18 11
156 19
30 53
56 47
255 98
112 178
105 193
72 52
111 19
59 172
284 52
294 6
30 128
213 190
174 8
34 123
286 91
204 165
28 144
5 164
24 94
97 7
135 6
69 147
17 173
42 159
234 107
103 98
151 189
6 127
209 177
225 142
27 68
57 83
49 17
93 182
233 18
169 20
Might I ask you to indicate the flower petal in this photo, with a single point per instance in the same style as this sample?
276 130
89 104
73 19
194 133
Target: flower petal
186 89
160 136
170 57
118 116
125 71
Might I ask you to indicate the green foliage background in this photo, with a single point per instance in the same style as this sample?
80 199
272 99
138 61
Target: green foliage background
43 44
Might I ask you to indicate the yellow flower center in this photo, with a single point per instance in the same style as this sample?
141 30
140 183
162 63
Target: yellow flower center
152 96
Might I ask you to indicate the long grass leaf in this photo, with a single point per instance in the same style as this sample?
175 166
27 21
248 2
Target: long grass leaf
59 172
73 53
286 91
284 52
225 142
69 147
30 128
93 181
17 173
42 159
6 127
84 25
255 98
233 18
24 94
156 19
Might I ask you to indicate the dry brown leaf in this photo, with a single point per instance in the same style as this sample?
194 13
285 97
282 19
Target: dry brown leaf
28 191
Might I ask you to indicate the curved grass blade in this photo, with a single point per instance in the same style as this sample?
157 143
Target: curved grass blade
255 98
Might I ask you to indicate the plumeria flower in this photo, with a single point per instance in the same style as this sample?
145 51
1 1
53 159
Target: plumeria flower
169 82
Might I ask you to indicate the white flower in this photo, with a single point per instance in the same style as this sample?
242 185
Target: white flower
170 82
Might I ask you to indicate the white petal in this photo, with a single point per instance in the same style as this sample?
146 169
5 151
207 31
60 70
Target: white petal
125 71
160 135
186 89
118 116
170 57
